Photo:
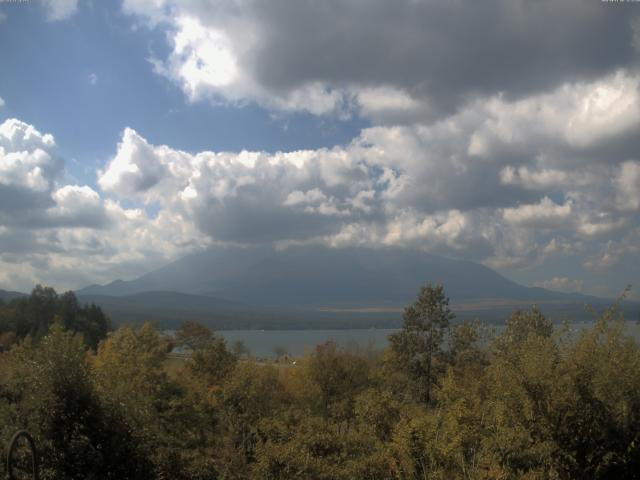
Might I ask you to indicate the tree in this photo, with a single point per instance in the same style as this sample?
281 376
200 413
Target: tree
240 349
132 382
34 315
249 395
331 380
420 340
212 362
521 324
51 392
193 335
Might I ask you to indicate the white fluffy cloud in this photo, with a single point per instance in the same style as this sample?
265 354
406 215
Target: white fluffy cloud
478 184
416 186
516 156
135 167
70 235
28 169
545 214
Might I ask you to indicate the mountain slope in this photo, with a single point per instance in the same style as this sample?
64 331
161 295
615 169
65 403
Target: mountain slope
324 277
6 296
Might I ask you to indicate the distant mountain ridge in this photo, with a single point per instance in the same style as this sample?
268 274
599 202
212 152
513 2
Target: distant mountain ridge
318 287
324 277
7 296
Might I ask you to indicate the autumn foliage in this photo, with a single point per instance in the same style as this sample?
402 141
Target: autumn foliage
445 400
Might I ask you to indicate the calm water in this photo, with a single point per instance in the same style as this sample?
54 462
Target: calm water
261 343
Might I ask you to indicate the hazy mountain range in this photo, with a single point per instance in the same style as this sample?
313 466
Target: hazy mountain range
317 287
322 277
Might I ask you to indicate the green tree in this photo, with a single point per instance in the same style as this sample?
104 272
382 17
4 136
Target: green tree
50 390
132 382
522 323
34 315
330 380
250 394
415 346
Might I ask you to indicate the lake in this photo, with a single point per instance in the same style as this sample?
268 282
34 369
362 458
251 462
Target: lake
261 343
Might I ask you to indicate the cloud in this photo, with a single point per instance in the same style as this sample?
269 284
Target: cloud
500 181
134 169
93 78
390 62
77 206
562 284
414 186
628 186
70 235
543 214
59 9
2 103
578 116
544 178
18 135
28 169
514 146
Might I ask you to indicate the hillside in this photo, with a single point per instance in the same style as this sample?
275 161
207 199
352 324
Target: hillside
314 287
7 296
324 277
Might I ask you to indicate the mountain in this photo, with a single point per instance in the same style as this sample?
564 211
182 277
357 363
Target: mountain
323 277
6 296
171 308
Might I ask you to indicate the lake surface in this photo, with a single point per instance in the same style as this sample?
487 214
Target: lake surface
261 343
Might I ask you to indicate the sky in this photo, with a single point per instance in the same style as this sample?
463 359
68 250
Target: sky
506 132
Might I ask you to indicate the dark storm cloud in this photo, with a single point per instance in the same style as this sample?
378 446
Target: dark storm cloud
444 51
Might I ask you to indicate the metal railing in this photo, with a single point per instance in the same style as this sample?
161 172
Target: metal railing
11 454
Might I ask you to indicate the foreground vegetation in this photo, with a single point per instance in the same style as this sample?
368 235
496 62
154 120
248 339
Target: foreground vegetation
440 403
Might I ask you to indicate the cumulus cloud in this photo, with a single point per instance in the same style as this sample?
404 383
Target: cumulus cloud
382 59
70 235
509 146
477 184
546 213
77 205
134 169
414 186
28 168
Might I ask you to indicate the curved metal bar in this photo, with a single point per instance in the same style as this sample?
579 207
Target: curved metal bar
34 454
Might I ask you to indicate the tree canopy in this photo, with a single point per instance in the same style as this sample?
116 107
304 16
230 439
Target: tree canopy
534 401
34 315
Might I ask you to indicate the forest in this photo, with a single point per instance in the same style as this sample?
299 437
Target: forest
445 400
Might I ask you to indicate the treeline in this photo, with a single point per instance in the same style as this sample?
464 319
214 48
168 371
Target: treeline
33 316
442 402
